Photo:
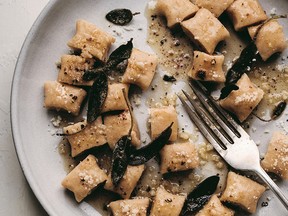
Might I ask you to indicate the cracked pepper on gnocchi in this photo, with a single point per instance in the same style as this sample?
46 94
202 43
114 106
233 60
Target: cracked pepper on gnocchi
160 177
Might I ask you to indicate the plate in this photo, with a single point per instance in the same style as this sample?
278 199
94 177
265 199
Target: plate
32 130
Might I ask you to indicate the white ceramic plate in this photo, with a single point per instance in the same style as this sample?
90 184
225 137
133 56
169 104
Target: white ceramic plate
45 43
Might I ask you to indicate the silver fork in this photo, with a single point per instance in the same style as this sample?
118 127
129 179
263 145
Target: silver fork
228 138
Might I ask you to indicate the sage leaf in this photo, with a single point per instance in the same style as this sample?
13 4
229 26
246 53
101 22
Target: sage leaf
97 96
144 154
227 90
122 52
278 110
118 56
119 16
200 195
242 64
120 159
121 151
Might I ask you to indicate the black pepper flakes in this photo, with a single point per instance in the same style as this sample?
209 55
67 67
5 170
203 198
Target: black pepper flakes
168 78
162 41
176 43
201 74
168 200
153 17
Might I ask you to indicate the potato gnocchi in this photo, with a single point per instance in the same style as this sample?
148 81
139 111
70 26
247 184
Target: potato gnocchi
241 102
176 11
128 182
91 136
84 178
132 207
61 96
118 125
215 7
275 159
178 157
215 208
72 70
205 30
270 38
141 69
160 118
246 13
207 67
167 204
92 41
242 191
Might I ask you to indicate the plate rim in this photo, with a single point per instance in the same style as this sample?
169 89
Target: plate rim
26 169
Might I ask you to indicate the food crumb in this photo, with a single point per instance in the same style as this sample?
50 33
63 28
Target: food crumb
56 121
184 135
136 98
273 11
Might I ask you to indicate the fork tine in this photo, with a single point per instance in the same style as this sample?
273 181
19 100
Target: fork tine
220 115
209 117
203 116
205 130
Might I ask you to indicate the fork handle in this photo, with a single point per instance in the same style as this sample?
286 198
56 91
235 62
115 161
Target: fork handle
277 191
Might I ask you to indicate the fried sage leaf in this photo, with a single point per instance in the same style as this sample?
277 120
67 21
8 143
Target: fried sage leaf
118 56
200 195
120 16
278 110
121 151
120 159
144 154
97 96
242 64
122 52
91 74
227 90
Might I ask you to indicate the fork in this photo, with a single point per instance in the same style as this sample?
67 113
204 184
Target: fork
227 137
